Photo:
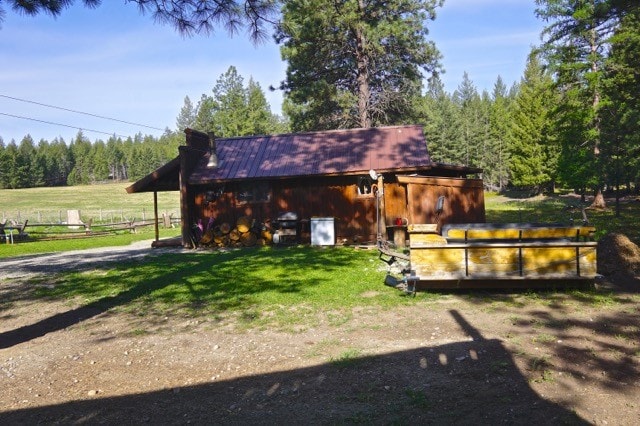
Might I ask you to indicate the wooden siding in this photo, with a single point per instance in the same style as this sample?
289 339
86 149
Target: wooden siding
338 197
354 215
464 199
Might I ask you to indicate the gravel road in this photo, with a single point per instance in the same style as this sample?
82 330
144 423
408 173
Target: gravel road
41 264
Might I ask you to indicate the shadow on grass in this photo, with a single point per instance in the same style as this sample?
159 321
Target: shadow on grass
209 282
467 382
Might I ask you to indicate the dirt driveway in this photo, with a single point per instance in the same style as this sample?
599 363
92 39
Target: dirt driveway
488 358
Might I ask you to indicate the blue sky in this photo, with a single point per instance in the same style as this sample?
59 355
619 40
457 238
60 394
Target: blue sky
114 62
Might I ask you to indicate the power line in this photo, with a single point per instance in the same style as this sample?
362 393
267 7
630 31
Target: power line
79 112
63 125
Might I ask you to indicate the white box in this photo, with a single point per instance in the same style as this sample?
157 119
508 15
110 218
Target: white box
323 231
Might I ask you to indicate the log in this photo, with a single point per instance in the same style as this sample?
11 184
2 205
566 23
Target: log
234 235
248 239
243 224
207 237
225 228
267 236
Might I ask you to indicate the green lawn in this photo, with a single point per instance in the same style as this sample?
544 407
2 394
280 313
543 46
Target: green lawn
270 285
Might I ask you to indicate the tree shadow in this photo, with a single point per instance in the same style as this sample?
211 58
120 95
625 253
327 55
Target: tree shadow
466 382
590 334
221 281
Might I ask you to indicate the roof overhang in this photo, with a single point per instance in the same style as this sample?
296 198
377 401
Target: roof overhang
165 178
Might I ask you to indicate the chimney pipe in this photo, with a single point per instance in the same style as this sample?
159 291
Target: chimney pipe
213 153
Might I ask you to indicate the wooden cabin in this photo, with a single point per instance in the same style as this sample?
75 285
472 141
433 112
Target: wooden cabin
368 181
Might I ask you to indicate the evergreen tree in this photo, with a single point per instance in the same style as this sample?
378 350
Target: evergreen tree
187 16
28 172
99 162
187 117
10 166
4 165
576 46
60 163
354 63
439 116
621 112
80 148
236 110
533 149
472 123
496 167
230 105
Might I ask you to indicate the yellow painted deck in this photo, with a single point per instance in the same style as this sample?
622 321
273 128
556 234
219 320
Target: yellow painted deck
503 256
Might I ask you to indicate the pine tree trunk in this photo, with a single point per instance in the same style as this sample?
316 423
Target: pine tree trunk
362 61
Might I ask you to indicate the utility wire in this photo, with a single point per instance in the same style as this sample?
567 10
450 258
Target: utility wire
64 125
79 112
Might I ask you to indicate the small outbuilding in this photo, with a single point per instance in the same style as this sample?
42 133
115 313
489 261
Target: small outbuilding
366 182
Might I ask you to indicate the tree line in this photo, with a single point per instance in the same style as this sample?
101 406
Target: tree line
573 119
233 109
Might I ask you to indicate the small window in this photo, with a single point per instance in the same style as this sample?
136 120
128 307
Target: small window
253 192
365 186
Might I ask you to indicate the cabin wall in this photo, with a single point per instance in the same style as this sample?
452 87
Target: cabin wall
336 197
464 199
339 197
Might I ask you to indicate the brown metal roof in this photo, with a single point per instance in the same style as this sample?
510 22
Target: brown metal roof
398 148
401 149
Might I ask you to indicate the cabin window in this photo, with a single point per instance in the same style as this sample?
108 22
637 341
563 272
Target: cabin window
213 194
253 192
365 186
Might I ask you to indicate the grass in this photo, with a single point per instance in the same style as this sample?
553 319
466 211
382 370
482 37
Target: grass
102 203
556 208
347 358
123 238
259 287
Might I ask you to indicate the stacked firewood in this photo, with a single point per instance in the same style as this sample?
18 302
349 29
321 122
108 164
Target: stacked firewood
246 233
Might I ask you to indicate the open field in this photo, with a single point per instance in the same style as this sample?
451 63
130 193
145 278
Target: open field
102 203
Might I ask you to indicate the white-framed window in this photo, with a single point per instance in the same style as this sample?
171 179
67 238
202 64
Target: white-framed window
365 186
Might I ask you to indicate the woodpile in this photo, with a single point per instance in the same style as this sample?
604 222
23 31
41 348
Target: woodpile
246 233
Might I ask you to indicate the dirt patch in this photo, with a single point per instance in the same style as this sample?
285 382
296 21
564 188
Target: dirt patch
619 261
535 358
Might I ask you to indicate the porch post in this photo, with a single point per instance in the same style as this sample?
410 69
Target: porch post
155 214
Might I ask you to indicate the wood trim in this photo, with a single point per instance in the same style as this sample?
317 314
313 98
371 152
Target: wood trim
438 181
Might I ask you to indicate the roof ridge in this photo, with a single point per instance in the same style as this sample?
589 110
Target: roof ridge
324 132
